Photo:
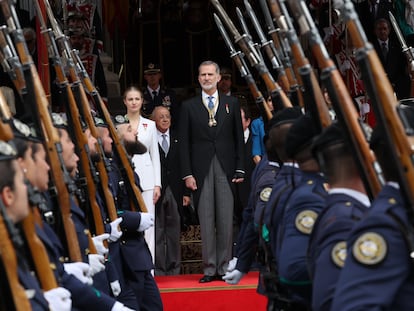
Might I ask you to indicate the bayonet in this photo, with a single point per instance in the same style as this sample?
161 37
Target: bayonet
234 54
407 50
267 45
257 62
238 59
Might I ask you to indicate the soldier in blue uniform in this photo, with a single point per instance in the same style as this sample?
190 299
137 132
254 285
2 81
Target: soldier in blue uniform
299 215
378 269
14 208
277 129
345 204
135 257
74 276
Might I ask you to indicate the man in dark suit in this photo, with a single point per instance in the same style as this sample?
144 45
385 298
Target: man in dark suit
371 10
168 229
392 59
212 158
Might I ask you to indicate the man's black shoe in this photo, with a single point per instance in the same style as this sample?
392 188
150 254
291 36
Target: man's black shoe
220 277
208 278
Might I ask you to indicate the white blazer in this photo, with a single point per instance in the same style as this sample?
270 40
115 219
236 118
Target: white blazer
147 165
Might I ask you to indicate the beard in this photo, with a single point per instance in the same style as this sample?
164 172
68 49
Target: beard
134 147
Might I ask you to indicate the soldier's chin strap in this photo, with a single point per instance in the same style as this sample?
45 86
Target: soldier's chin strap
37 199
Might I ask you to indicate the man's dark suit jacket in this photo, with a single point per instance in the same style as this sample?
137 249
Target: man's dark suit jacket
396 68
367 17
170 169
199 142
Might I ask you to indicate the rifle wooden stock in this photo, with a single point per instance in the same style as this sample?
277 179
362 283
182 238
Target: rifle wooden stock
385 105
39 254
52 141
43 56
9 259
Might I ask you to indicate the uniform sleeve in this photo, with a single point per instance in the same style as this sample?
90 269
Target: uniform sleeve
363 286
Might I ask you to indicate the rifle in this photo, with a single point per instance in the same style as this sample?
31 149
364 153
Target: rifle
385 106
281 15
343 103
11 63
136 199
280 98
244 71
119 150
74 120
282 51
40 114
408 51
269 49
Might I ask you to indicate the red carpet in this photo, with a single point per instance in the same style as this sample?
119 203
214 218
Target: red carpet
184 293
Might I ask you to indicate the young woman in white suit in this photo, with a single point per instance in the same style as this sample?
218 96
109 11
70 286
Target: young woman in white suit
147 165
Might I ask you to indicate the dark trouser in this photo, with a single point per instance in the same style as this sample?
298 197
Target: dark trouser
146 291
215 212
167 236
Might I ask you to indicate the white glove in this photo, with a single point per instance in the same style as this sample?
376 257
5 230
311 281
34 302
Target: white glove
232 264
58 299
147 220
120 307
115 232
96 264
98 241
116 288
80 270
233 277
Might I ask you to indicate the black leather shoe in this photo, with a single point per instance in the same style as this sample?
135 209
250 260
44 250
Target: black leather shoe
220 277
207 278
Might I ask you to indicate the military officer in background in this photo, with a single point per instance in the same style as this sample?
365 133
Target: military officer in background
156 94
